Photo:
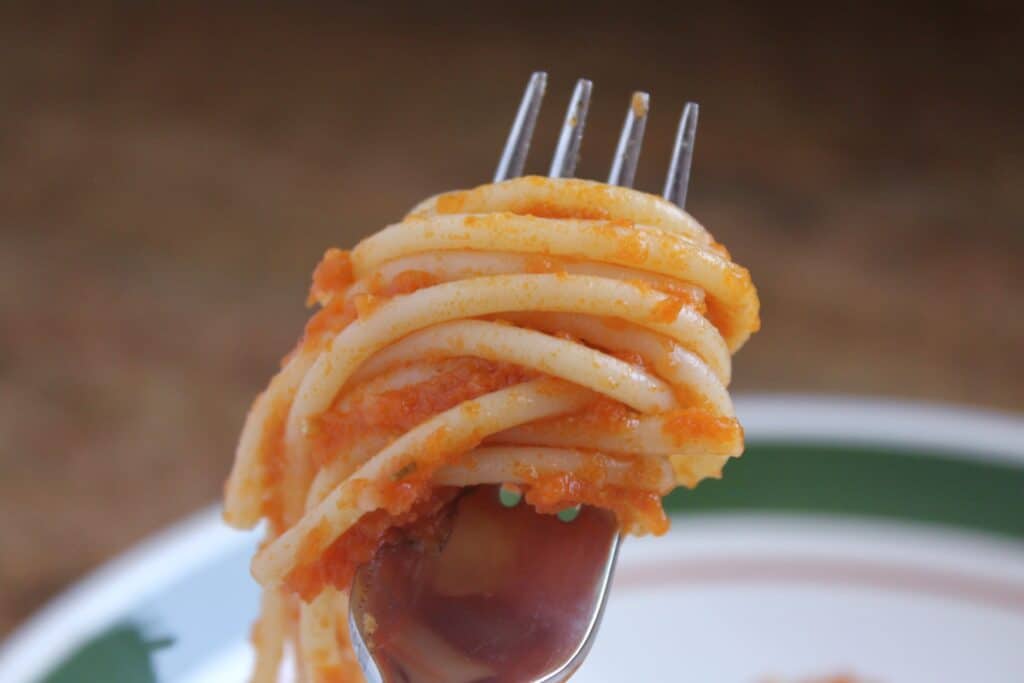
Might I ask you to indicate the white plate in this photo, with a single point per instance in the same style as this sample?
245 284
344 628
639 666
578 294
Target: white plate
880 539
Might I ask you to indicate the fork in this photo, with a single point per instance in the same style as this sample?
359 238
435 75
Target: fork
446 612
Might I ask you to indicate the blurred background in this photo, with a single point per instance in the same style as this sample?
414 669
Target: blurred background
170 175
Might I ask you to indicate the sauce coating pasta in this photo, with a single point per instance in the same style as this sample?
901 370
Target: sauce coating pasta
567 337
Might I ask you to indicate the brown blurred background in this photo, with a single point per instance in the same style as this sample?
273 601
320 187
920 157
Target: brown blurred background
169 176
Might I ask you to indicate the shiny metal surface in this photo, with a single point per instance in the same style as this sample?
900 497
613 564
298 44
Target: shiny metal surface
504 595
627 152
678 180
513 156
567 150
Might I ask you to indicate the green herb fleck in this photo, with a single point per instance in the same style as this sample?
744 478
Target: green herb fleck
509 496
404 471
569 514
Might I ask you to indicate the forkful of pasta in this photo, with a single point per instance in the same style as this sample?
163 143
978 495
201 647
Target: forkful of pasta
496 590
562 340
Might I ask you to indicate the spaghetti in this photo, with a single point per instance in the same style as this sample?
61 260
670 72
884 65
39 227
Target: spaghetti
562 336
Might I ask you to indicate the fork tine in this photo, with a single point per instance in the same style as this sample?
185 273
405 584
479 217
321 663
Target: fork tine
627 152
568 150
682 156
513 157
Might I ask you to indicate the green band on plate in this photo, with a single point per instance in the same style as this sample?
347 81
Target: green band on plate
863 481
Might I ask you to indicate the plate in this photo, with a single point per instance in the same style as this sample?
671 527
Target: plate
877 539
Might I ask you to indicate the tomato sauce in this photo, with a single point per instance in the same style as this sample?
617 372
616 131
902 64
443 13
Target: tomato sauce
547 209
452 202
398 411
688 424
667 310
406 282
272 466
335 316
631 248
338 563
545 263
332 276
636 509
366 304
605 414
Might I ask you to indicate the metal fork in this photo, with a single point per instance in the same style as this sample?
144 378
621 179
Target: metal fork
509 595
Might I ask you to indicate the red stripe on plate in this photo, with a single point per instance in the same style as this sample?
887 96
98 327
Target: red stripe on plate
996 593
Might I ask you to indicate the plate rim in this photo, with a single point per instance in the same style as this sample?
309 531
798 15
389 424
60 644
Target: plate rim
97 599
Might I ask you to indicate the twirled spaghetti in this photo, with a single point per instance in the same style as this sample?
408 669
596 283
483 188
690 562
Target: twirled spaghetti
564 336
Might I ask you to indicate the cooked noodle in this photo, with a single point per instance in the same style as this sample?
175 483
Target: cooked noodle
567 337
